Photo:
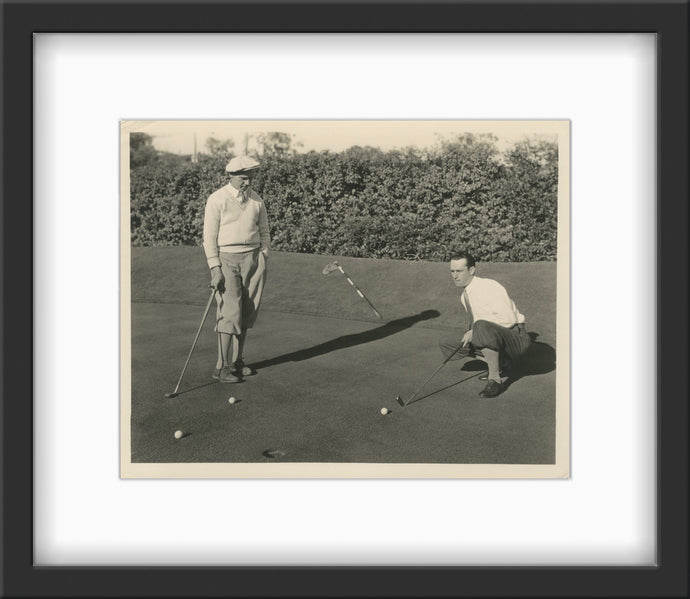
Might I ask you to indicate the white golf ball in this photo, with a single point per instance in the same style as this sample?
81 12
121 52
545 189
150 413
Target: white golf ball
384 411
232 400
178 434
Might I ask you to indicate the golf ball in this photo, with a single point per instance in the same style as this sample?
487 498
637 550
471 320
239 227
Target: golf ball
384 411
232 400
178 434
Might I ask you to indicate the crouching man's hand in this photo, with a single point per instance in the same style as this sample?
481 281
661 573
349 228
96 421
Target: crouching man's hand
467 338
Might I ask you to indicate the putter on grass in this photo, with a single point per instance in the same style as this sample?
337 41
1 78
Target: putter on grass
457 349
203 320
329 268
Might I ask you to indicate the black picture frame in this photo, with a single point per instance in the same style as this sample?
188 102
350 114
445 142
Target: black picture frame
668 20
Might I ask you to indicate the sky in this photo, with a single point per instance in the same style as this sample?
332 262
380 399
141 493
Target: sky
178 136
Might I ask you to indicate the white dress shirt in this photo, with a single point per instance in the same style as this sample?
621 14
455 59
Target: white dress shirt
488 300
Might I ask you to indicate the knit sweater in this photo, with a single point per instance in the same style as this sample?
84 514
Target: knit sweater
234 226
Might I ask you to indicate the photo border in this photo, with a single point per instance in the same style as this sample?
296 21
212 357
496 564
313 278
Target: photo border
668 20
431 466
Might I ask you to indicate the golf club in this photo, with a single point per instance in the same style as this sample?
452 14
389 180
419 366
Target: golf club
329 268
471 353
196 338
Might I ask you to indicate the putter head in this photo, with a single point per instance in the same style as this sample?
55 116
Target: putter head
400 401
171 394
329 268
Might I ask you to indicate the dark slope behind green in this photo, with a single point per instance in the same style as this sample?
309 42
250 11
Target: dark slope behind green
397 288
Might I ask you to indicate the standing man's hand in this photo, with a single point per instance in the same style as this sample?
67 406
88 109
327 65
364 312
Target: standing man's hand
467 338
217 279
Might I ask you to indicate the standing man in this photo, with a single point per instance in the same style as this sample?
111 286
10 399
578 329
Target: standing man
236 243
496 327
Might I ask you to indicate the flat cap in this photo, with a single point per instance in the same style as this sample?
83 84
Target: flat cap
241 164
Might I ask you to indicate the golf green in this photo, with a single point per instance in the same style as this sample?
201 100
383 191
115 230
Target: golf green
326 366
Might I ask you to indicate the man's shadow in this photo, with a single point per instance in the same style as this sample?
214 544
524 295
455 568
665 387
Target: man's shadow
540 358
390 328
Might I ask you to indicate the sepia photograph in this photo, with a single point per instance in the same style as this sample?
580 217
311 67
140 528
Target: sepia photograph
344 299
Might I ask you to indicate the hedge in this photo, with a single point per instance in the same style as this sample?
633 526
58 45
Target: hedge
363 202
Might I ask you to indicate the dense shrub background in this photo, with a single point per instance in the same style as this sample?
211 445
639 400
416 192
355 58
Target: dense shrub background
363 202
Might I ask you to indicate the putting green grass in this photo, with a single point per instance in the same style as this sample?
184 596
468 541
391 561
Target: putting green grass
396 288
326 366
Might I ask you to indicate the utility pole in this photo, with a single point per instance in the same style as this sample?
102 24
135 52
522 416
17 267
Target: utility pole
195 157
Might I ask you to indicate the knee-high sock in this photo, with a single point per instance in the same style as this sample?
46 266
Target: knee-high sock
491 359
223 349
238 346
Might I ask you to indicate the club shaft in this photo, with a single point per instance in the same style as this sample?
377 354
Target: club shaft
359 291
457 349
196 338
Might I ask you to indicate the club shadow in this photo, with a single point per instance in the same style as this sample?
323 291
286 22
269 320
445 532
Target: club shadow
455 384
390 328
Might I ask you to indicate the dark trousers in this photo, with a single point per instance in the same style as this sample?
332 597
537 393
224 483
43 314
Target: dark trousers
508 342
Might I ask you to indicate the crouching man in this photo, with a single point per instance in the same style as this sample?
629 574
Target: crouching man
496 328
